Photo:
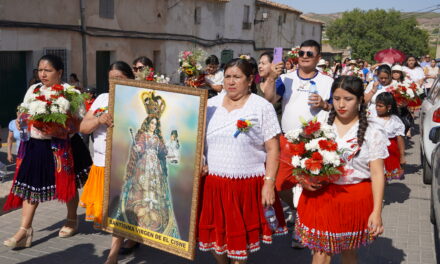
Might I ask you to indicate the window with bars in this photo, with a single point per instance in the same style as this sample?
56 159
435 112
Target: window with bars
246 17
198 16
62 53
107 8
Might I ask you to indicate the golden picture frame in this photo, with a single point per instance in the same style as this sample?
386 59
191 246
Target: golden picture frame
153 162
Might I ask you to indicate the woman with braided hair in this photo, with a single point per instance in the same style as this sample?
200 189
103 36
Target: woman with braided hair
346 214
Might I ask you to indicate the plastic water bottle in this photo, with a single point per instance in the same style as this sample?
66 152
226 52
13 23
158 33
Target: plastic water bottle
24 133
313 89
271 218
376 79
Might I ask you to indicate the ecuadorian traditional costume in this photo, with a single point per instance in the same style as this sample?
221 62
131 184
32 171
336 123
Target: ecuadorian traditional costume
335 218
232 221
45 168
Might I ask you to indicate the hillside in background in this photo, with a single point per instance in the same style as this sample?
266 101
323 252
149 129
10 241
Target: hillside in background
429 21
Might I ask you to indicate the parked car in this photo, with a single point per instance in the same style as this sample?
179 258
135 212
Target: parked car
434 136
429 118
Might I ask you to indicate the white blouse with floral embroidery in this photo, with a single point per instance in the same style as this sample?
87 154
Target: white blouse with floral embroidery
242 156
357 164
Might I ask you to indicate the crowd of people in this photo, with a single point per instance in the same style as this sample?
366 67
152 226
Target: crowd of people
242 173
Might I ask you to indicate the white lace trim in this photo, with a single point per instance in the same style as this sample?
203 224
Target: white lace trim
244 155
236 175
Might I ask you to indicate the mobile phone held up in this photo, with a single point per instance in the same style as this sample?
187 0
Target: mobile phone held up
277 55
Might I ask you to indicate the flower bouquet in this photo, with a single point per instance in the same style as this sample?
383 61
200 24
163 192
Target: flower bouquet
293 54
407 93
190 63
56 111
356 72
313 153
148 74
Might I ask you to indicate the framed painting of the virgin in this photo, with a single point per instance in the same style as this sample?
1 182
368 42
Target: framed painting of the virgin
153 162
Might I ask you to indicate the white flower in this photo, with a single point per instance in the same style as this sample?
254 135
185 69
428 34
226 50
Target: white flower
63 104
303 163
315 172
296 161
199 66
328 130
410 92
37 107
293 135
314 144
330 157
54 109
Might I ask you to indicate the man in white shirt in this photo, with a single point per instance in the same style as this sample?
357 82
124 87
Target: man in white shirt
299 99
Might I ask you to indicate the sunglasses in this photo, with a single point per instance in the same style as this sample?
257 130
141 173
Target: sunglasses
140 68
309 54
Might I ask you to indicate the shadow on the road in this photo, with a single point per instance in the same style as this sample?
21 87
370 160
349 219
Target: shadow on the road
83 228
381 251
396 192
412 168
437 244
83 253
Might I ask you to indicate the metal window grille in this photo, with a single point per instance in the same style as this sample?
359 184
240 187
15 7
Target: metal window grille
198 16
62 53
107 8
246 14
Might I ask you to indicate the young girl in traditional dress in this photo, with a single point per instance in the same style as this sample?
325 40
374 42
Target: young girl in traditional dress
386 109
346 214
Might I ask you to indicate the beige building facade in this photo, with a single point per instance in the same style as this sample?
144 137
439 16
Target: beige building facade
90 34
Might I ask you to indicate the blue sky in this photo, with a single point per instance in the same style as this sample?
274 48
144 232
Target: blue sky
328 6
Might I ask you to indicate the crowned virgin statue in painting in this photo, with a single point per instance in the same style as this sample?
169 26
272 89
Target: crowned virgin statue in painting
146 198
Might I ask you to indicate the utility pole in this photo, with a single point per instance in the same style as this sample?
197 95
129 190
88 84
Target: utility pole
84 42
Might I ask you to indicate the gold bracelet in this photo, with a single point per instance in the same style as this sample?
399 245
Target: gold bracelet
269 178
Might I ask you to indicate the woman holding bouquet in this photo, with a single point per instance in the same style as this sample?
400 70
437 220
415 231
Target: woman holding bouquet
242 160
45 167
346 214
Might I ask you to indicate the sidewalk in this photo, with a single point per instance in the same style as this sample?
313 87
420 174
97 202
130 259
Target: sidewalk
408 236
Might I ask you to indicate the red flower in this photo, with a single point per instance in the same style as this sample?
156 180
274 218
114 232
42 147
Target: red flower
312 127
297 149
41 98
315 162
37 89
328 145
241 124
317 156
57 87
55 96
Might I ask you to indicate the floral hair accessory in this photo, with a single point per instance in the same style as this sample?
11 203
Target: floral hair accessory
100 111
243 125
245 57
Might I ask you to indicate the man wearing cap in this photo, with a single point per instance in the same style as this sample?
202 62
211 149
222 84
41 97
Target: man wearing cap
297 101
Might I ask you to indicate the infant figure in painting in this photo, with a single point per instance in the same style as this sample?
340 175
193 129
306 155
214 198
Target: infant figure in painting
173 148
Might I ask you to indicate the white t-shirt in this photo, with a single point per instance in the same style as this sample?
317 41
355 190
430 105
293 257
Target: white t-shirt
431 72
100 134
243 156
374 147
295 96
415 74
215 79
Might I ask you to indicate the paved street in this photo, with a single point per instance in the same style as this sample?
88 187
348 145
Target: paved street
408 236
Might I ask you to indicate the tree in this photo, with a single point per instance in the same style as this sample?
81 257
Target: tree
367 32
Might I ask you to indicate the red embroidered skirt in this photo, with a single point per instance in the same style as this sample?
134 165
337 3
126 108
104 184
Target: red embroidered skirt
231 220
335 218
392 163
285 179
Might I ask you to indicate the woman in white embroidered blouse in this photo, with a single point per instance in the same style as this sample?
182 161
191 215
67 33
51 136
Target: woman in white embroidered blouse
242 159
346 214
